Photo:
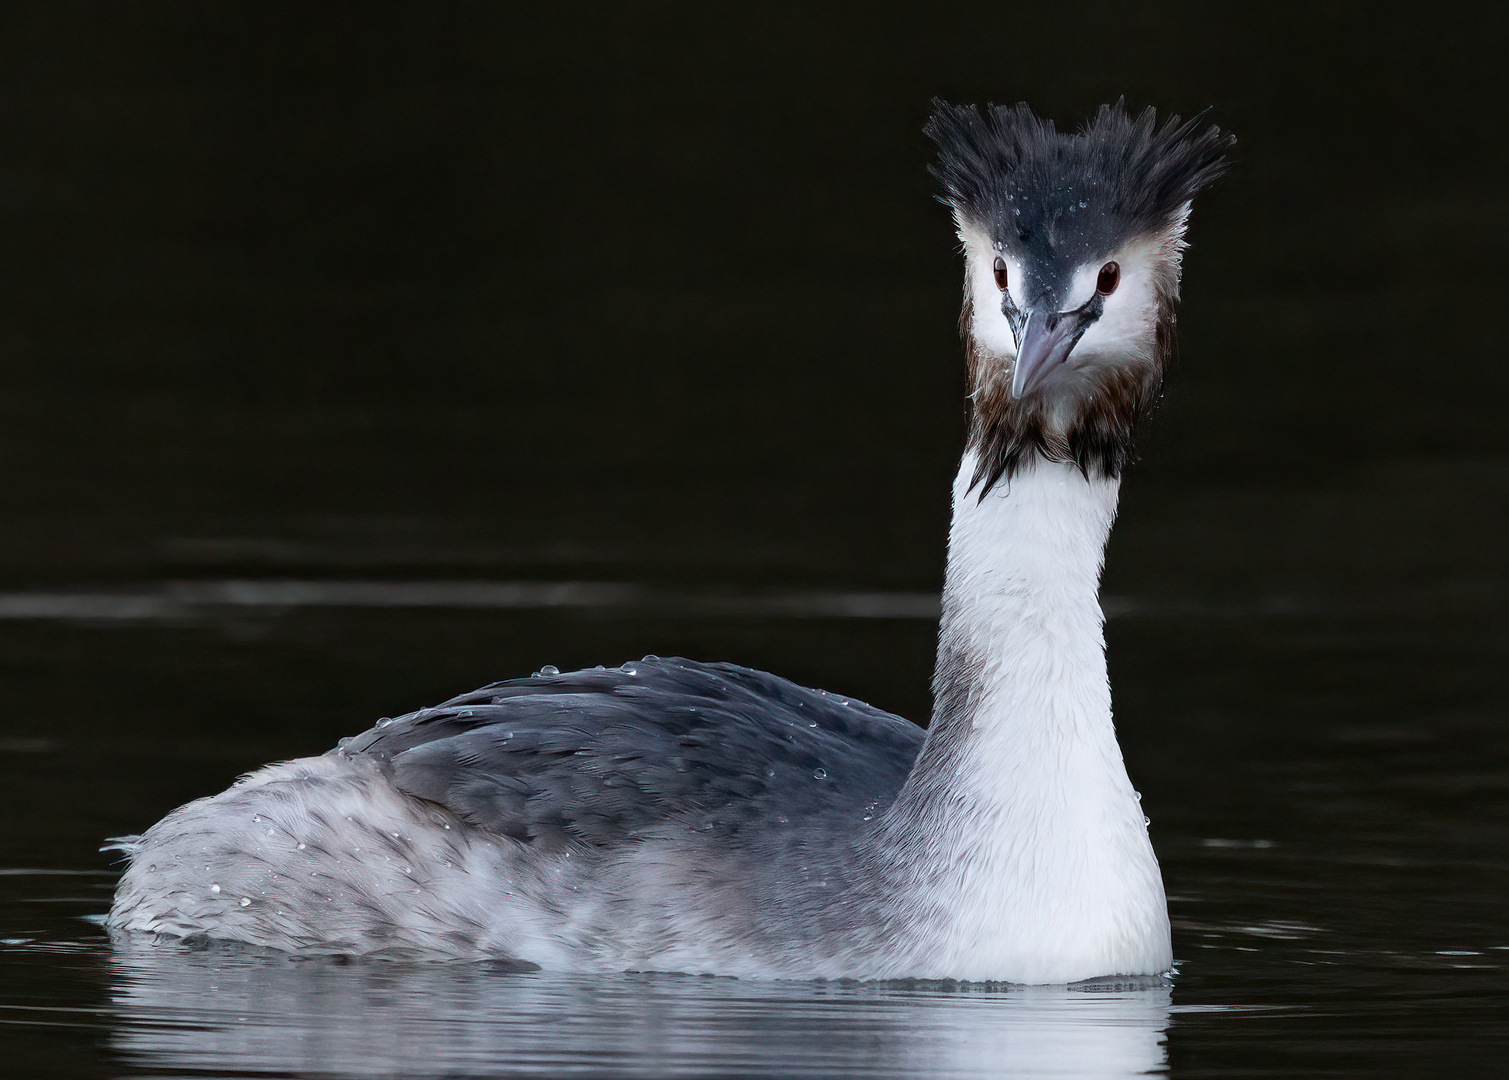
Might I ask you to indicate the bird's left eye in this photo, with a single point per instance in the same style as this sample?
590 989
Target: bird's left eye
1110 277
1000 273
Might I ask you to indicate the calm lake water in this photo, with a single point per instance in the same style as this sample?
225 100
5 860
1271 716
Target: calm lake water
347 364
1327 798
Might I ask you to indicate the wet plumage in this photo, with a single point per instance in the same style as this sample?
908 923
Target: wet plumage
674 815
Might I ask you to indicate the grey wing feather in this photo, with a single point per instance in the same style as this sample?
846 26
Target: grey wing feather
609 756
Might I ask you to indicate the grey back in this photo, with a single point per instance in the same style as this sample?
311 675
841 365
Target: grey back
610 756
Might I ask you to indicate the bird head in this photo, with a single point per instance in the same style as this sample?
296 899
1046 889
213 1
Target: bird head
1072 246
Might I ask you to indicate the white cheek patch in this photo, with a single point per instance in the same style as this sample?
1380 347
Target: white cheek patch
989 325
1082 290
1127 323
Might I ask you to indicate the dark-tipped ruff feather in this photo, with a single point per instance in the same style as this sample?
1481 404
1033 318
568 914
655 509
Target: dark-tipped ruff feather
1007 435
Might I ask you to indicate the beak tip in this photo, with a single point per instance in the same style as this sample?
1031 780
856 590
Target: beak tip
1024 380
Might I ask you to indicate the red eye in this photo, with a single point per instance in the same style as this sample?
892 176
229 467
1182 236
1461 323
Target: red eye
1110 277
1001 273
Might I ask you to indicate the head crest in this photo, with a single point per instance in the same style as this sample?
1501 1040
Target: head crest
996 162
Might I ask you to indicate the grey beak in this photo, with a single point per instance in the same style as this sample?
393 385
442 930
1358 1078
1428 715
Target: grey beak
1046 340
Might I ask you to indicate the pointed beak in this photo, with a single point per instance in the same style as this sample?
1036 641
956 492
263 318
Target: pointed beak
1046 340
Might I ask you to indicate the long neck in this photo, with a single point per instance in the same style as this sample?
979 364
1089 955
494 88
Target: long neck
1021 655
1021 841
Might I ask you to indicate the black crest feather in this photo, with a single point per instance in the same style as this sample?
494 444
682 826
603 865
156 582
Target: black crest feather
1139 172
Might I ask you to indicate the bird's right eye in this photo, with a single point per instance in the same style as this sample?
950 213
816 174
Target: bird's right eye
1000 273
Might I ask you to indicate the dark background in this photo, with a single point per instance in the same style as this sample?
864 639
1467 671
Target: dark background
633 287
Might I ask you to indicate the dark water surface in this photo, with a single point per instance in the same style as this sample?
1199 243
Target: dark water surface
352 357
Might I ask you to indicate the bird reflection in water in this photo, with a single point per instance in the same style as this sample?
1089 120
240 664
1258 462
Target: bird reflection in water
216 1010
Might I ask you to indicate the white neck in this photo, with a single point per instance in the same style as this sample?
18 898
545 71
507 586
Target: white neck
1023 850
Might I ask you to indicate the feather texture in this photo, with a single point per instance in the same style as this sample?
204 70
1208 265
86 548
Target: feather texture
616 756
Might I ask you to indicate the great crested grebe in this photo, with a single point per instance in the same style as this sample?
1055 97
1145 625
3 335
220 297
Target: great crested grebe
680 816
